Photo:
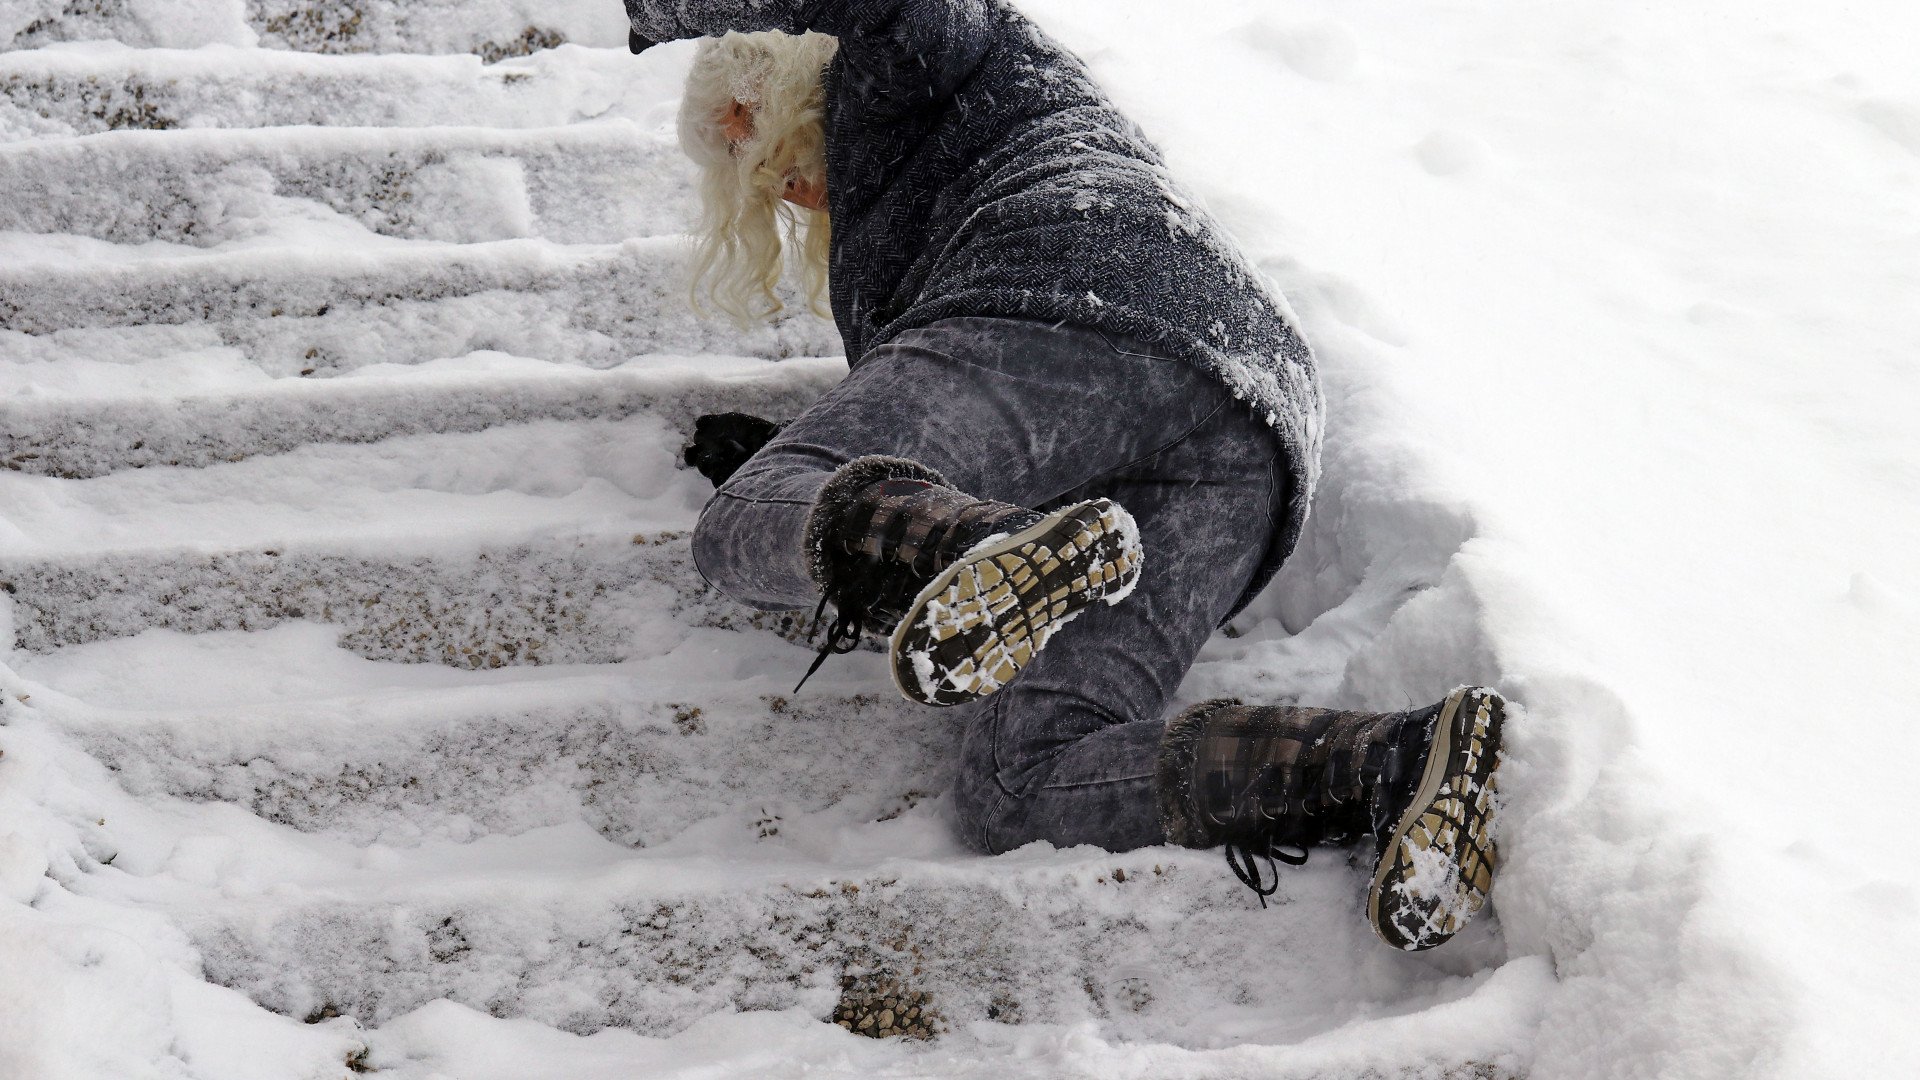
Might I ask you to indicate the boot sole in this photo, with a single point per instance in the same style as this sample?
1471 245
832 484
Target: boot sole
985 618
1436 867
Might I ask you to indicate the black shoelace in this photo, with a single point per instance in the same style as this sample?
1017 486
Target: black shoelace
867 597
1242 859
1261 838
872 590
849 625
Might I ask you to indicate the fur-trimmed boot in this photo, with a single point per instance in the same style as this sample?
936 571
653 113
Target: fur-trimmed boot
972 589
1268 781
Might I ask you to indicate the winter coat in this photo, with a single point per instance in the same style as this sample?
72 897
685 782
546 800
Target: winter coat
973 168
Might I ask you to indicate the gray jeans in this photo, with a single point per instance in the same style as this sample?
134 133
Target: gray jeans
1038 414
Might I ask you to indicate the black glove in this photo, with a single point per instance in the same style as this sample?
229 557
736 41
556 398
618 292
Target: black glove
637 44
722 442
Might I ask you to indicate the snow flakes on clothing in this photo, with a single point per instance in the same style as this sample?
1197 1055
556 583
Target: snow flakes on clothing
975 169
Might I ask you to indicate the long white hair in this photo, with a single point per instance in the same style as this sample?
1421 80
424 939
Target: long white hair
739 261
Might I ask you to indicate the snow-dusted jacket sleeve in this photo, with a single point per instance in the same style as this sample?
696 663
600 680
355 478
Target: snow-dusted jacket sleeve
898 54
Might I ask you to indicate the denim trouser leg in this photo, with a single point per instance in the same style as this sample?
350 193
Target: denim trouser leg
1034 414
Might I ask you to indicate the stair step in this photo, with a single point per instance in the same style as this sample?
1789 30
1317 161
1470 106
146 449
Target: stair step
325 26
72 437
597 182
286 725
563 927
538 543
294 311
568 600
84 90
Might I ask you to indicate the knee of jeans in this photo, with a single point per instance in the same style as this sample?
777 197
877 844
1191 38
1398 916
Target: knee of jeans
989 820
981 803
715 550
973 810
989 817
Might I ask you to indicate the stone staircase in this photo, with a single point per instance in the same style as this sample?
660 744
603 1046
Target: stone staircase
343 565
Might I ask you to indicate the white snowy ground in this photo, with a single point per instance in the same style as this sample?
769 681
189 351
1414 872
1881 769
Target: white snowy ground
1614 305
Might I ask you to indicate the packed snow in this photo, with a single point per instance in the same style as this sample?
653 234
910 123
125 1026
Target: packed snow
361 710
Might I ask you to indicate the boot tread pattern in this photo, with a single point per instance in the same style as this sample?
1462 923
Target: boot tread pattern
1437 868
985 619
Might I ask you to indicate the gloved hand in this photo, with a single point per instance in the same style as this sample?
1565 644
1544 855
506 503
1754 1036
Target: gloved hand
637 44
722 442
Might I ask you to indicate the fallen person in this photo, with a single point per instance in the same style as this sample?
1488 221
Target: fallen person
1078 435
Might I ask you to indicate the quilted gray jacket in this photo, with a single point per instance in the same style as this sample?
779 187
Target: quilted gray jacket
973 168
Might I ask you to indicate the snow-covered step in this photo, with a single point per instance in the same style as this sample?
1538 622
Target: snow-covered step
81 420
295 730
544 542
573 599
597 182
295 311
561 926
83 90
491 29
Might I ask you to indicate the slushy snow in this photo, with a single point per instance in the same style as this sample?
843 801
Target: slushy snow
361 709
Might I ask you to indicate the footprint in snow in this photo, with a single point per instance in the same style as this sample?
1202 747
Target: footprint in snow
1323 51
1451 153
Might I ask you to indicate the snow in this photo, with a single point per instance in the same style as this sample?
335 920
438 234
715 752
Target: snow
78 89
385 697
206 186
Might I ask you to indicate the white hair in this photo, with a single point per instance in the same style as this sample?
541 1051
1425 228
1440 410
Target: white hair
740 255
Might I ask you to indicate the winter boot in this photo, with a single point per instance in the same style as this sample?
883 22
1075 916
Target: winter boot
1267 781
972 589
